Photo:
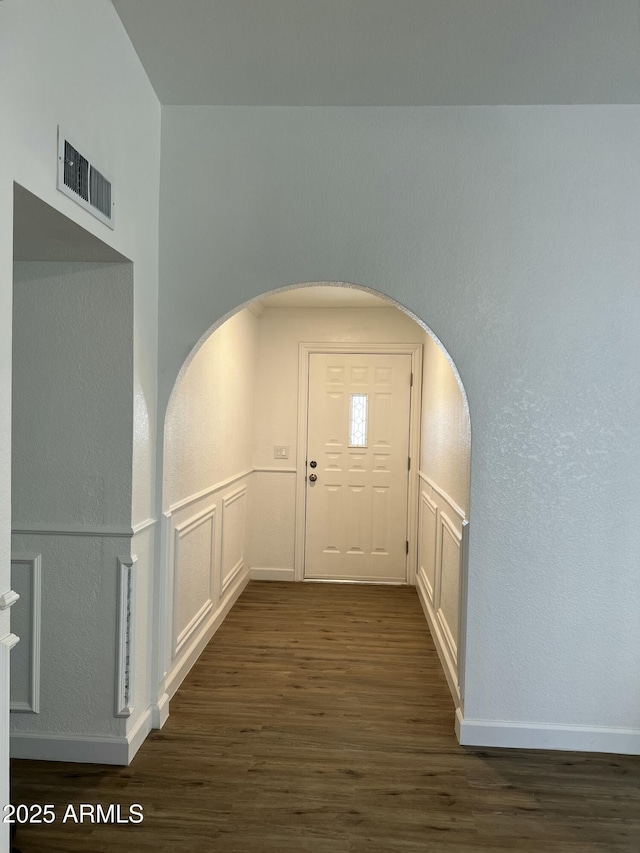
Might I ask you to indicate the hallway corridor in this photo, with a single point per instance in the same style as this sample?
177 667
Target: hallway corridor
318 719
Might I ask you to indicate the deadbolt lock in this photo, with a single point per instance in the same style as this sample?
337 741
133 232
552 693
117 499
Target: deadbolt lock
313 463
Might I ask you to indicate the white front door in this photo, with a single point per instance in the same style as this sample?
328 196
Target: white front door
357 467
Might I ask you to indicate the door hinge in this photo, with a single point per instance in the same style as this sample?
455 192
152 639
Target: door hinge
411 380
407 551
409 463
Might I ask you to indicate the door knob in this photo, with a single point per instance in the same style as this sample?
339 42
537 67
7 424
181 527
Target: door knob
313 478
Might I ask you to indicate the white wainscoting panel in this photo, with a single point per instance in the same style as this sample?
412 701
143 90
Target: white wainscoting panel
234 523
125 676
440 568
204 564
449 587
26 580
427 543
193 561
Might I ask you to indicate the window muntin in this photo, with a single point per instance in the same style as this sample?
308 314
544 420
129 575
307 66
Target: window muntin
358 417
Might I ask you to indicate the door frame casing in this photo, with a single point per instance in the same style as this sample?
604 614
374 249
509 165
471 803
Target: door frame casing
305 349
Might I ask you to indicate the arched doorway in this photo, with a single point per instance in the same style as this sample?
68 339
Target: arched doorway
234 473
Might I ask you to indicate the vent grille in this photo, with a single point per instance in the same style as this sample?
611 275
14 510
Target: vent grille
79 179
76 171
100 189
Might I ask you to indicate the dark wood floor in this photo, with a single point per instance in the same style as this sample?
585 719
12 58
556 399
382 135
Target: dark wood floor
318 719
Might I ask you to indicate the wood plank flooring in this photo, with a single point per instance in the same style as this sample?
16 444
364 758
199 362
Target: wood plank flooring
318 719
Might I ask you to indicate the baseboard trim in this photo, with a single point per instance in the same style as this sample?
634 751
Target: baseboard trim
439 640
496 733
190 656
84 749
160 712
272 574
138 733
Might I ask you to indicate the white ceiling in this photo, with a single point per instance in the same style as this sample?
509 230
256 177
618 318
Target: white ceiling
387 52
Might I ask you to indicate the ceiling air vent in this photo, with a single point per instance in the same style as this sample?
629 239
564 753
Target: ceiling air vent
79 179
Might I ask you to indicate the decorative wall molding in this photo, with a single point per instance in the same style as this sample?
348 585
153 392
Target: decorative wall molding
138 734
8 599
200 639
205 493
449 640
441 574
274 470
546 736
462 615
181 636
143 525
448 532
125 654
160 711
164 599
427 550
441 492
9 641
258 574
441 645
234 511
97 531
33 565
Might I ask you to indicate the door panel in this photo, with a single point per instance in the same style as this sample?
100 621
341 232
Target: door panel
358 434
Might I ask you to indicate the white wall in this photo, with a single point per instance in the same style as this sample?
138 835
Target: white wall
210 422
72 394
512 232
87 78
208 462
443 505
72 418
280 331
445 437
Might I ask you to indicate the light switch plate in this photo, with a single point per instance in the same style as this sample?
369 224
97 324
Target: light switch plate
280 451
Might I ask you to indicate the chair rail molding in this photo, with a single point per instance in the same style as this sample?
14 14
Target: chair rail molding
97 531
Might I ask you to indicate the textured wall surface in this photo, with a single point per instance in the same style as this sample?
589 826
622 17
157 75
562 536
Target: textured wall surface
210 422
512 232
72 393
114 115
445 435
208 440
272 517
77 678
71 437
